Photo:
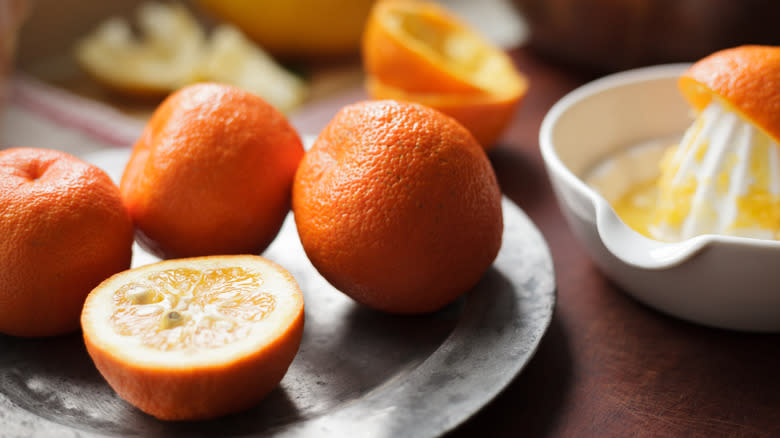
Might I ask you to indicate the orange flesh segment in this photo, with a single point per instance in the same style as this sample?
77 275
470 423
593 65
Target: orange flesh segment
455 47
182 308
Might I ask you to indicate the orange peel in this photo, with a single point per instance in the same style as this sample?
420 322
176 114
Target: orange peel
484 115
747 78
421 47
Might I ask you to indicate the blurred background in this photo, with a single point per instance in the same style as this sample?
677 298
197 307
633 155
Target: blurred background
318 41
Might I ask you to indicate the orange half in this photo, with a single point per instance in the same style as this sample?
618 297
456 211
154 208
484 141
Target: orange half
485 115
747 78
195 338
420 47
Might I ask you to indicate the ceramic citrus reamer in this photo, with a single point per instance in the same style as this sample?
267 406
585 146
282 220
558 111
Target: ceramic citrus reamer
708 252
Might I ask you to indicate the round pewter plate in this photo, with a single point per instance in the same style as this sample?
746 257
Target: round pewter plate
358 372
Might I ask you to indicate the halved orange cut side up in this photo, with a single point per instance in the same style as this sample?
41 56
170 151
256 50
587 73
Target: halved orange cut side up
195 338
421 48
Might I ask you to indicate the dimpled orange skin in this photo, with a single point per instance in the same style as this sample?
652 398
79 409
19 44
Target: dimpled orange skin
211 174
484 115
747 77
64 230
398 206
416 51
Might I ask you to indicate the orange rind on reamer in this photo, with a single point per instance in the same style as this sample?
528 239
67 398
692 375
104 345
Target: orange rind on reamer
746 78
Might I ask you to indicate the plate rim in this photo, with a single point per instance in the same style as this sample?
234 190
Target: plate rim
332 424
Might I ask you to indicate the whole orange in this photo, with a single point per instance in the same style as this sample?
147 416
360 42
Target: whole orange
64 230
397 206
211 173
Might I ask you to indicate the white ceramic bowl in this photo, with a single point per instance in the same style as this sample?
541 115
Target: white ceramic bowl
719 281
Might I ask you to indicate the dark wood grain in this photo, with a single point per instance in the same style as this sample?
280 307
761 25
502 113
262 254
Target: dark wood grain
608 366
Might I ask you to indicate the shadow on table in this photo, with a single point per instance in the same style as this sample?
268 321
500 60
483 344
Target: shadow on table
55 379
663 370
528 406
342 356
520 175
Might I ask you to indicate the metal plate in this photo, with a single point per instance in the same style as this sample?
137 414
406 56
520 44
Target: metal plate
358 372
